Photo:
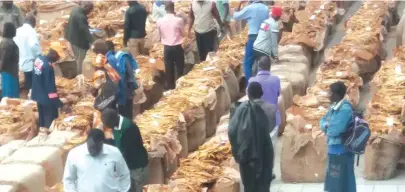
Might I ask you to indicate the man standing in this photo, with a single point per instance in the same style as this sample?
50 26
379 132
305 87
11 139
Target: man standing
224 13
255 14
266 43
10 13
29 47
270 84
202 15
158 10
127 138
78 34
134 28
44 87
171 30
96 167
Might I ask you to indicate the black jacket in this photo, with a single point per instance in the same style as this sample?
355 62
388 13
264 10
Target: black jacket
9 56
77 30
135 20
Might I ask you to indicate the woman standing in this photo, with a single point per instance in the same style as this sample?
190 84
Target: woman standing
9 63
340 172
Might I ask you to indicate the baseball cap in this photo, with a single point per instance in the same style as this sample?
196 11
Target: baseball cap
57 46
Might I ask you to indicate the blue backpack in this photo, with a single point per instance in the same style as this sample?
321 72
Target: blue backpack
356 137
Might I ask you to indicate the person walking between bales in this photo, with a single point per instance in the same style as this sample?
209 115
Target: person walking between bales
78 35
9 57
27 41
171 30
271 88
225 14
127 138
202 15
125 65
134 28
340 170
44 87
10 13
255 14
266 43
96 167
251 143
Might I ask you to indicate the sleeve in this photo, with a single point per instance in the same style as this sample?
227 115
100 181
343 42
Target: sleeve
70 175
323 122
338 124
274 43
124 178
242 14
126 28
35 45
83 25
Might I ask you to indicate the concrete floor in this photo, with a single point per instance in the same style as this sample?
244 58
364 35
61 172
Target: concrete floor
396 184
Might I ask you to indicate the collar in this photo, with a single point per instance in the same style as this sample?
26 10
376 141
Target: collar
338 105
263 72
86 150
120 124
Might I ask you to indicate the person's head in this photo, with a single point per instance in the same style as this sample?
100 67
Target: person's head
55 52
95 140
276 12
254 91
169 6
110 46
100 47
31 20
130 3
87 6
337 91
9 30
7 4
264 63
110 118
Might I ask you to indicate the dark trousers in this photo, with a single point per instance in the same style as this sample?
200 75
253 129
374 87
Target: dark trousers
126 110
205 43
27 80
174 64
253 183
47 113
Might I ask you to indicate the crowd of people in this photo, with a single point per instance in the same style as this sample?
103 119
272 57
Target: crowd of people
99 166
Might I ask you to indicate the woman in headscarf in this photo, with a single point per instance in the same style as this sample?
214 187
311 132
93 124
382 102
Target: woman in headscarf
9 57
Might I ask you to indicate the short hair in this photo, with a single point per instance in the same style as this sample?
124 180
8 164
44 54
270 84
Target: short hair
338 88
9 30
100 46
110 45
109 117
255 90
97 135
264 63
169 5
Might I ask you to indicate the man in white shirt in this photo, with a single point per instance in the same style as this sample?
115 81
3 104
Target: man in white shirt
96 167
29 48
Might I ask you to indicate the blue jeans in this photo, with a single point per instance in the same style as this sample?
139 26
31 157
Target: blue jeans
249 57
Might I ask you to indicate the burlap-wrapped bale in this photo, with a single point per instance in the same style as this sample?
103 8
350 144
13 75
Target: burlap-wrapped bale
22 177
298 81
233 84
287 93
300 68
230 182
381 159
294 58
50 158
153 95
210 113
303 157
182 137
196 130
223 100
156 168
10 148
283 116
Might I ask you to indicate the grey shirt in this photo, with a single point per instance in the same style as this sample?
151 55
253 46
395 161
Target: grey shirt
270 111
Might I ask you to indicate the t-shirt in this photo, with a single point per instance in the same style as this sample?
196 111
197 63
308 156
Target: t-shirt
267 38
221 10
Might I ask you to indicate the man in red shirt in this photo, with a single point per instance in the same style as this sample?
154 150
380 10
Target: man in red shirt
171 30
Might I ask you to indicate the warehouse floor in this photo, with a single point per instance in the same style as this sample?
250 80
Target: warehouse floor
394 185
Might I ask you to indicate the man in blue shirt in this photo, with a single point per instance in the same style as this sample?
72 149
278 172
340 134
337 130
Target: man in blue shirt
44 87
255 14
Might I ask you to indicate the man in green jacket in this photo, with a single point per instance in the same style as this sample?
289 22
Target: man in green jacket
127 138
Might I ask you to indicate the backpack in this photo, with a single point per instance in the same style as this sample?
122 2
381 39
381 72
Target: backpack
356 137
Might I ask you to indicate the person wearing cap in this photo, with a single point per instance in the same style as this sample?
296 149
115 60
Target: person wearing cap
266 43
44 87
27 41
9 57
255 13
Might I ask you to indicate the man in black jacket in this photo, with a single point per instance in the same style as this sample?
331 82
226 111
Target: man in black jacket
127 138
78 34
134 27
